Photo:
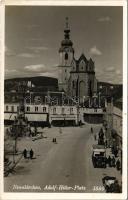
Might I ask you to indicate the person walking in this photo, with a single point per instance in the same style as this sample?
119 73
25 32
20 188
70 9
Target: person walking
91 130
25 153
118 164
109 161
31 154
113 162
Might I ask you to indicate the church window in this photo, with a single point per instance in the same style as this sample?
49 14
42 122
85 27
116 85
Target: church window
66 56
82 64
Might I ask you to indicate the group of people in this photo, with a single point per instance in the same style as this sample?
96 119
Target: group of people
54 140
28 154
110 161
113 163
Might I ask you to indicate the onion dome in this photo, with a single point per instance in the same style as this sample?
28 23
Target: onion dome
66 42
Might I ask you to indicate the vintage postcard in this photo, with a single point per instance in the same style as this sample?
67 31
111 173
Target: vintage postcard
63 100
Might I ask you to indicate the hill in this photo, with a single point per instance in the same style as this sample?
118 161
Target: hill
39 82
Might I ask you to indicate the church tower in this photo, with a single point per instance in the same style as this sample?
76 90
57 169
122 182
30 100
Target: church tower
66 53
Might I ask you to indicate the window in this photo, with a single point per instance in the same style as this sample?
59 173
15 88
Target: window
6 108
12 108
71 110
18 108
28 108
62 111
66 56
82 65
44 109
54 111
65 70
36 108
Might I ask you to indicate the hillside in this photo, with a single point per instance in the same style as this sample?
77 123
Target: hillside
39 82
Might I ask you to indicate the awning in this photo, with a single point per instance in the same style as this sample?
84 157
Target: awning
36 117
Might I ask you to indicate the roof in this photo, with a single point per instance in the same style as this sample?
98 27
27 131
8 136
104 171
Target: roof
96 146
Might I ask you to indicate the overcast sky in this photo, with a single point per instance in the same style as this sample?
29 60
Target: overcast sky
33 36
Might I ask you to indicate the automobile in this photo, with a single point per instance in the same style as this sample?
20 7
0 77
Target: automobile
111 184
99 156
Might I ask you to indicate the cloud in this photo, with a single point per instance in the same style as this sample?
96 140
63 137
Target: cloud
38 49
50 74
26 55
9 52
42 68
104 19
110 69
8 71
95 51
36 68
118 72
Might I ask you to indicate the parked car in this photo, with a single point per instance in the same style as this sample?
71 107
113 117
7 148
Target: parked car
99 156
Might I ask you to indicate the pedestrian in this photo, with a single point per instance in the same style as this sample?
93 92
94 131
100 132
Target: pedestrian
25 153
118 164
106 143
31 153
91 130
95 136
115 152
113 162
109 161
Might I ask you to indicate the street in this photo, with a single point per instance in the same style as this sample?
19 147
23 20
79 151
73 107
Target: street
64 166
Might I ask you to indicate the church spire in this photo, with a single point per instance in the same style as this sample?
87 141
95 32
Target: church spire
67 25
66 42
66 30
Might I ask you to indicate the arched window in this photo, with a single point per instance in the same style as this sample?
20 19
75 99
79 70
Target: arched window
66 56
82 65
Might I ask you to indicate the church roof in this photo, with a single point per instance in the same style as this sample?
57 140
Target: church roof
82 57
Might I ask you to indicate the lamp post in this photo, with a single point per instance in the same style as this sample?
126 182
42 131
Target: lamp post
99 100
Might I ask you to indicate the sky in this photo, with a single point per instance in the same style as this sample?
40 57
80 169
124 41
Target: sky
33 36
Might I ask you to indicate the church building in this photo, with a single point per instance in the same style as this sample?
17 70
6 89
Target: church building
76 77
